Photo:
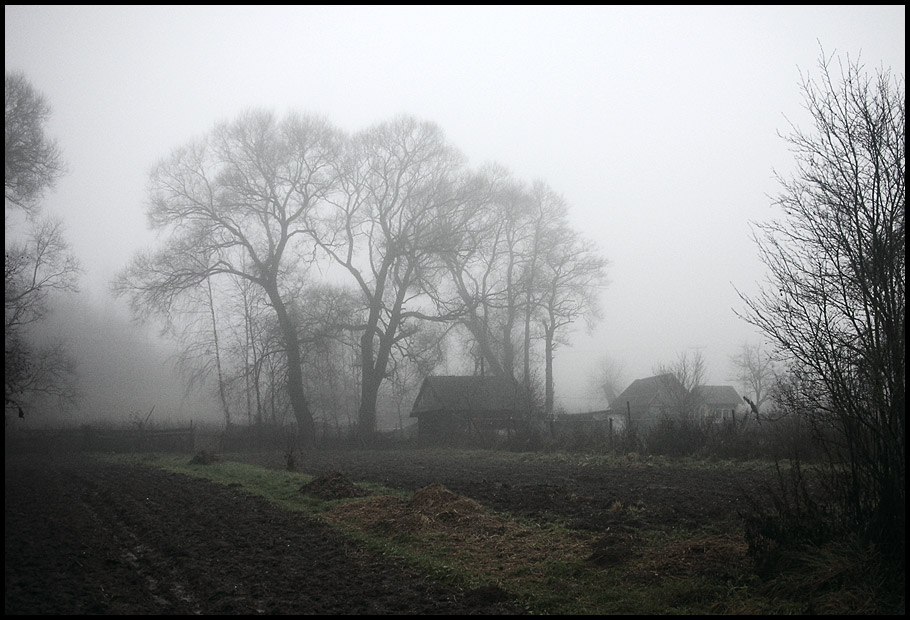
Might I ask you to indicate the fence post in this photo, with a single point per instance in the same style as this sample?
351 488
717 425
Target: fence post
611 436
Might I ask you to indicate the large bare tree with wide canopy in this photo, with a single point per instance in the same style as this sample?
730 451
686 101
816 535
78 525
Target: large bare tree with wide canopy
236 203
399 186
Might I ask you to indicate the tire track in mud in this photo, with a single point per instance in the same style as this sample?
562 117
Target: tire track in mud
119 515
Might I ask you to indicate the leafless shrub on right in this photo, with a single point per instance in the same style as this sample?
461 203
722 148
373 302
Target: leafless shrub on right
833 305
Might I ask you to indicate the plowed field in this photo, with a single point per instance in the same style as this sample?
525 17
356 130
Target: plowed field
87 536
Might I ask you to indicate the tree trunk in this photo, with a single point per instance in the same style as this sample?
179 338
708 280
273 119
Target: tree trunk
527 351
221 392
548 402
508 351
374 369
306 429
369 389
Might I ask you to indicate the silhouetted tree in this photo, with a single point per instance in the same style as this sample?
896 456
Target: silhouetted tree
236 203
571 275
606 379
690 372
754 370
835 301
32 160
41 264
396 185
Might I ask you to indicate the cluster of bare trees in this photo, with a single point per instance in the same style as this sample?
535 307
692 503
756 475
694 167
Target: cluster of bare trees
38 262
327 263
834 307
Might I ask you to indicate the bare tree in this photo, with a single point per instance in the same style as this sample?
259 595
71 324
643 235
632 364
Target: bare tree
419 354
520 274
491 265
201 339
546 214
34 270
572 276
236 203
396 188
606 379
755 372
32 160
40 265
690 372
835 301
326 315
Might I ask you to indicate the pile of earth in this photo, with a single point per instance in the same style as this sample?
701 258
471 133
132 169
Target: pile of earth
436 503
433 507
333 485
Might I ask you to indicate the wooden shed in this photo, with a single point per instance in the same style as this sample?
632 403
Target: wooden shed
472 410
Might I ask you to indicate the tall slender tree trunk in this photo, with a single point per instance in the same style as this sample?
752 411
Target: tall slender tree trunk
527 351
548 400
221 391
508 351
375 363
248 343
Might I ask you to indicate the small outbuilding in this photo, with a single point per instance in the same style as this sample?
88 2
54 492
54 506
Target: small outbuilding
718 403
470 410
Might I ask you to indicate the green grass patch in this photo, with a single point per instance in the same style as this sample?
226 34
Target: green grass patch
282 488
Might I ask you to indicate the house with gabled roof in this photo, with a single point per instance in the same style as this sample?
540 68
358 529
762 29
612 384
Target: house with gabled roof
647 400
718 403
469 410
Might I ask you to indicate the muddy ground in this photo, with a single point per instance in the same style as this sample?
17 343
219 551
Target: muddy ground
85 536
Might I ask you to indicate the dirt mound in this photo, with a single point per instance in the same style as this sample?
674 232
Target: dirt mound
437 503
333 485
433 508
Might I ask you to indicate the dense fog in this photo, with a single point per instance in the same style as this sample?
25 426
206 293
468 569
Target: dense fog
659 128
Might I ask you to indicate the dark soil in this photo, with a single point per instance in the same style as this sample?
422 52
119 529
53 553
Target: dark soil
84 536
87 537
588 497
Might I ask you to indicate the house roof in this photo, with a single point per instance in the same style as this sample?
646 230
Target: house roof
478 394
719 396
642 393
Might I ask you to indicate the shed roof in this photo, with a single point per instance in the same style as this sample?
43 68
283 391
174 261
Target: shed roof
470 393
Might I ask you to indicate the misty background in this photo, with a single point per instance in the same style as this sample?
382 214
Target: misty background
658 125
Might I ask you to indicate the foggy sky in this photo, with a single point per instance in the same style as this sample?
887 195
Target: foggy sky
658 125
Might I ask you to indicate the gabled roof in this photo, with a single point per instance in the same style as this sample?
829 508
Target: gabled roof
642 393
477 394
718 396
